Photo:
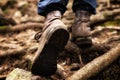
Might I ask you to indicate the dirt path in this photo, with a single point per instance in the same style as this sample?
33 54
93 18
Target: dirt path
23 46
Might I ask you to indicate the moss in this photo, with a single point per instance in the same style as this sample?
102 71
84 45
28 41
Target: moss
24 8
112 23
3 27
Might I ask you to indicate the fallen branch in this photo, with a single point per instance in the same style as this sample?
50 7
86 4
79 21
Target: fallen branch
96 65
21 27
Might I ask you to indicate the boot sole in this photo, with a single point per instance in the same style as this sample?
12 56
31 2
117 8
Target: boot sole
84 43
45 60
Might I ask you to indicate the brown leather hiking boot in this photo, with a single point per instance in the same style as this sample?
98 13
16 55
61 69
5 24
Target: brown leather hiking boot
52 39
81 30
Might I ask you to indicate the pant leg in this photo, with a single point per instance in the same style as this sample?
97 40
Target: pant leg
88 5
45 6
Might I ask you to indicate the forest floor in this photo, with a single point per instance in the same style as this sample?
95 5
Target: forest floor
19 45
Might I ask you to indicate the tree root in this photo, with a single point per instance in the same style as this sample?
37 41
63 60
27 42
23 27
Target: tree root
99 30
104 16
5 20
60 71
2 77
19 51
21 27
96 65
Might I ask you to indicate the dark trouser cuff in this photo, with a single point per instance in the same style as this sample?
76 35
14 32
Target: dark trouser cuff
52 7
83 6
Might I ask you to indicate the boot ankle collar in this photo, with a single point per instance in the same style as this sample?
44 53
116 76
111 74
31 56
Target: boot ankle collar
53 14
82 12
82 15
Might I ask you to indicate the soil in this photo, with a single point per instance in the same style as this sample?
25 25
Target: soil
23 44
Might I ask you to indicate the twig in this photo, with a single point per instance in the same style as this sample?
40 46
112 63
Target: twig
61 71
73 48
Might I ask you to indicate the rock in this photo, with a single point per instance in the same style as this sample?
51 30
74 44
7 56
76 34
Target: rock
17 16
19 74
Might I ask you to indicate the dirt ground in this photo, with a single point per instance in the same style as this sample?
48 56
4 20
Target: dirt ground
22 45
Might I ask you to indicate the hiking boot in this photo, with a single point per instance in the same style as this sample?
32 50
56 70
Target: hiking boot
52 40
81 30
